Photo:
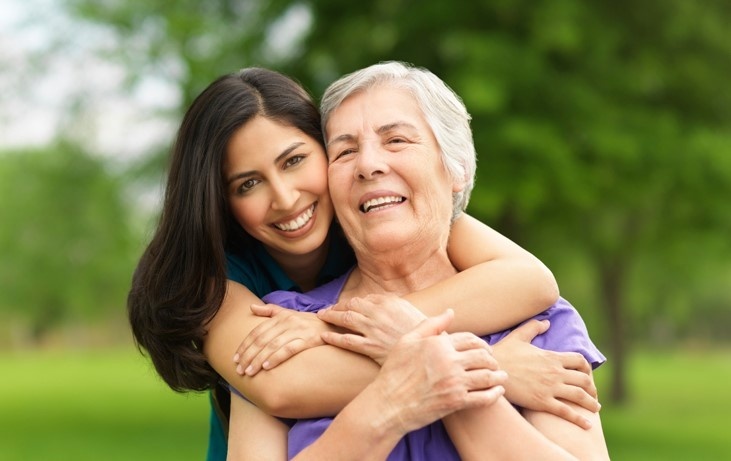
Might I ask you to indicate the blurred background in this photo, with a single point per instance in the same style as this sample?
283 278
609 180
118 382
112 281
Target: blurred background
603 131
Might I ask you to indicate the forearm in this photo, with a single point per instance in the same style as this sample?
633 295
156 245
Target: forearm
499 432
499 283
361 431
327 379
344 372
491 296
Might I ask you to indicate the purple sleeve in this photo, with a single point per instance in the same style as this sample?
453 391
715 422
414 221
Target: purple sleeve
567 333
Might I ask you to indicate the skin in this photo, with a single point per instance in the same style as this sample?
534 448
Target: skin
264 175
277 187
372 159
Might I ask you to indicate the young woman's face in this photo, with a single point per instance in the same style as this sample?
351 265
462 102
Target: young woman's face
276 181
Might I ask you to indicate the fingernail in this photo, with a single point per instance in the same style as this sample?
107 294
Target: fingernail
240 369
587 423
265 365
249 370
236 358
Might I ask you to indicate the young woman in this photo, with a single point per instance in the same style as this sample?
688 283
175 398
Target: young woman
247 212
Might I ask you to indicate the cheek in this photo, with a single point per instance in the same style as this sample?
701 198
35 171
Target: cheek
338 187
247 212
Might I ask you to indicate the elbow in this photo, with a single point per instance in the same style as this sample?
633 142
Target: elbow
549 292
277 404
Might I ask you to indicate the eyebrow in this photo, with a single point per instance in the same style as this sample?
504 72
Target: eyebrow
380 130
280 157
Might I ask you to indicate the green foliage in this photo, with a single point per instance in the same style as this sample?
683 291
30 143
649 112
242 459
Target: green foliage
65 240
603 128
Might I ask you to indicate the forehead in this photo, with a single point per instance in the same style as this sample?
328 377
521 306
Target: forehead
373 108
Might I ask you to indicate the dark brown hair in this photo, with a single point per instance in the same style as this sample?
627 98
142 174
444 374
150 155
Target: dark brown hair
180 281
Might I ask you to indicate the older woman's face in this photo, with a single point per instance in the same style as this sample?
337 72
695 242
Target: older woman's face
386 178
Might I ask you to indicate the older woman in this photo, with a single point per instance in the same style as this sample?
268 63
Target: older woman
396 196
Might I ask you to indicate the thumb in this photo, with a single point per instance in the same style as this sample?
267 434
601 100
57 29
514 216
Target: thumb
432 326
529 330
264 310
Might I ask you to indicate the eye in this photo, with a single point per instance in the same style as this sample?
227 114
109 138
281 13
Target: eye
294 160
343 153
247 185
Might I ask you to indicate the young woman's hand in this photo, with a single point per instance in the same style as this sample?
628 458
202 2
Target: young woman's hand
284 334
374 324
544 380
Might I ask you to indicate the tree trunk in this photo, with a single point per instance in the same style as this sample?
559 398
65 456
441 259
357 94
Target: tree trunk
612 284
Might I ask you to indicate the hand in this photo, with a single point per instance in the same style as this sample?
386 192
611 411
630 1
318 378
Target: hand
284 334
429 374
375 322
543 380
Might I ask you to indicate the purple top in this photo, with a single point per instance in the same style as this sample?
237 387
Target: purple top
566 334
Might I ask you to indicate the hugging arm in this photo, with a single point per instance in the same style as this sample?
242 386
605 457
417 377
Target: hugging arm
273 391
499 284
426 376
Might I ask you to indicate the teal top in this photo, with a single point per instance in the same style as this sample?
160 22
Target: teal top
254 268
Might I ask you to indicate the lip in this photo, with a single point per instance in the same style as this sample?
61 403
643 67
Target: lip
308 213
379 195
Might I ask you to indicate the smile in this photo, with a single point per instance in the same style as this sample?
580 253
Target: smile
298 223
381 203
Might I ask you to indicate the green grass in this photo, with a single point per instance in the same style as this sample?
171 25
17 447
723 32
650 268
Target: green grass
110 405
95 405
679 408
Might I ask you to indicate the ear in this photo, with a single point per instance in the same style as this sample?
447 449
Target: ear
459 185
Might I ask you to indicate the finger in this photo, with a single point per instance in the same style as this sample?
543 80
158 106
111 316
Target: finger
263 341
483 397
348 319
431 326
473 359
570 414
463 341
529 330
348 341
254 341
575 361
484 379
263 310
284 353
580 397
581 380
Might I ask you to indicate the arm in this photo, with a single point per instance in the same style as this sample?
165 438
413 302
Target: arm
499 284
426 376
272 391
499 432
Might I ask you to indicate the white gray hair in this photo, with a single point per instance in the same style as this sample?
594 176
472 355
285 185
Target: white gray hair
443 109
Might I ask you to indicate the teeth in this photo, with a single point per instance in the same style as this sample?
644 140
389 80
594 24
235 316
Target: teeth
377 202
297 223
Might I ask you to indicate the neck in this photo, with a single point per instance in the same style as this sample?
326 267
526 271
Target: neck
303 269
398 274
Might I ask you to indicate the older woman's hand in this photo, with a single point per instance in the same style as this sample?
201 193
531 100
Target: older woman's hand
374 323
429 374
544 380
284 334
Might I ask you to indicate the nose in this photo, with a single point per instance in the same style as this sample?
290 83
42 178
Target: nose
284 194
371 161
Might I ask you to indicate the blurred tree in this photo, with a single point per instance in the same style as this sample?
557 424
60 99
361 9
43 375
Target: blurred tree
66 246
603 128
